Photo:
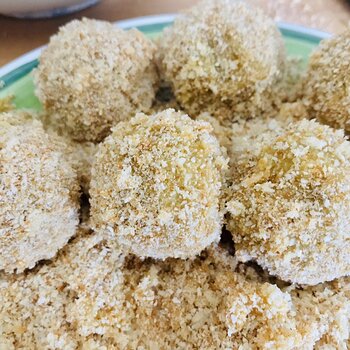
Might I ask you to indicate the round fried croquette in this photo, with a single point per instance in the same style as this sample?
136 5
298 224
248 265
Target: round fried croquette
156 185
223 57
327 82
93 75
291 211
39 193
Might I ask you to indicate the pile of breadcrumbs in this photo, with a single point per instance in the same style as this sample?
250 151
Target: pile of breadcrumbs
191 192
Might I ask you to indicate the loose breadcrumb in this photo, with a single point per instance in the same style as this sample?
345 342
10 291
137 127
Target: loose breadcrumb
177 304
327 82
39 193
33 308
93 75
323 314
156 184
290 210
223 57
92 297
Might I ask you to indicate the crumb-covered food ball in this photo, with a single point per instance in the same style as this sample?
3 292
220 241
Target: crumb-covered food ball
156 185
291 210
39 193
223 57
327 82
93 75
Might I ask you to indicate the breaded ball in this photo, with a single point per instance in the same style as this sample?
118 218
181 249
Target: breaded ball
291 210
93 75
79 154
223 57
327 82
156 185
39 193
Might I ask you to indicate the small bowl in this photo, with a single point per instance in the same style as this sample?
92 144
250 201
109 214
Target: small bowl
42 8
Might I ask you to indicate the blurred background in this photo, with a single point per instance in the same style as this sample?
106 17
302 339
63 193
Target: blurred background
19 35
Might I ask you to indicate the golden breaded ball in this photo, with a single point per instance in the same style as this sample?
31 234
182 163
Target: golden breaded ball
39 193
223 57
291 210
93 75
156 185
327 82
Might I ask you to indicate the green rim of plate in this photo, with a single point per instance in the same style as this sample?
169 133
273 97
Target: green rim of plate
298 43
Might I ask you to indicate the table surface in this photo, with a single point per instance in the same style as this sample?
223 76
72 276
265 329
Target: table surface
19 36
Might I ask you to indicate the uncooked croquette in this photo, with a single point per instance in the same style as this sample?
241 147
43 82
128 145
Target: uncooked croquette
93 75
39 193
157 183
290 211
327 82
223 57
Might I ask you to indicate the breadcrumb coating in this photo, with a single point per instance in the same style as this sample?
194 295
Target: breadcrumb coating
327 82
177 304
39 193
290 210
221 132
246 138
156 184
80 154
33 311
322 314
223 57
93 75
92 297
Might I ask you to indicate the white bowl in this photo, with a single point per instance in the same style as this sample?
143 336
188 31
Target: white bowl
42 8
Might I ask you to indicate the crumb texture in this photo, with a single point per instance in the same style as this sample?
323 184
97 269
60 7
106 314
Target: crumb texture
290 210
223 57
327 82
92 75
322 314
39 193
93 297
170 165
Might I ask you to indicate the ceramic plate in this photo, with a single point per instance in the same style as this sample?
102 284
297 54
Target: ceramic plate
17 80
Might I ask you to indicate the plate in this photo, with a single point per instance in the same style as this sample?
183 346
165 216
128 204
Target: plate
17 80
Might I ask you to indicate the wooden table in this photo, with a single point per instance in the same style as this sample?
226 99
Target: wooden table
19 36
